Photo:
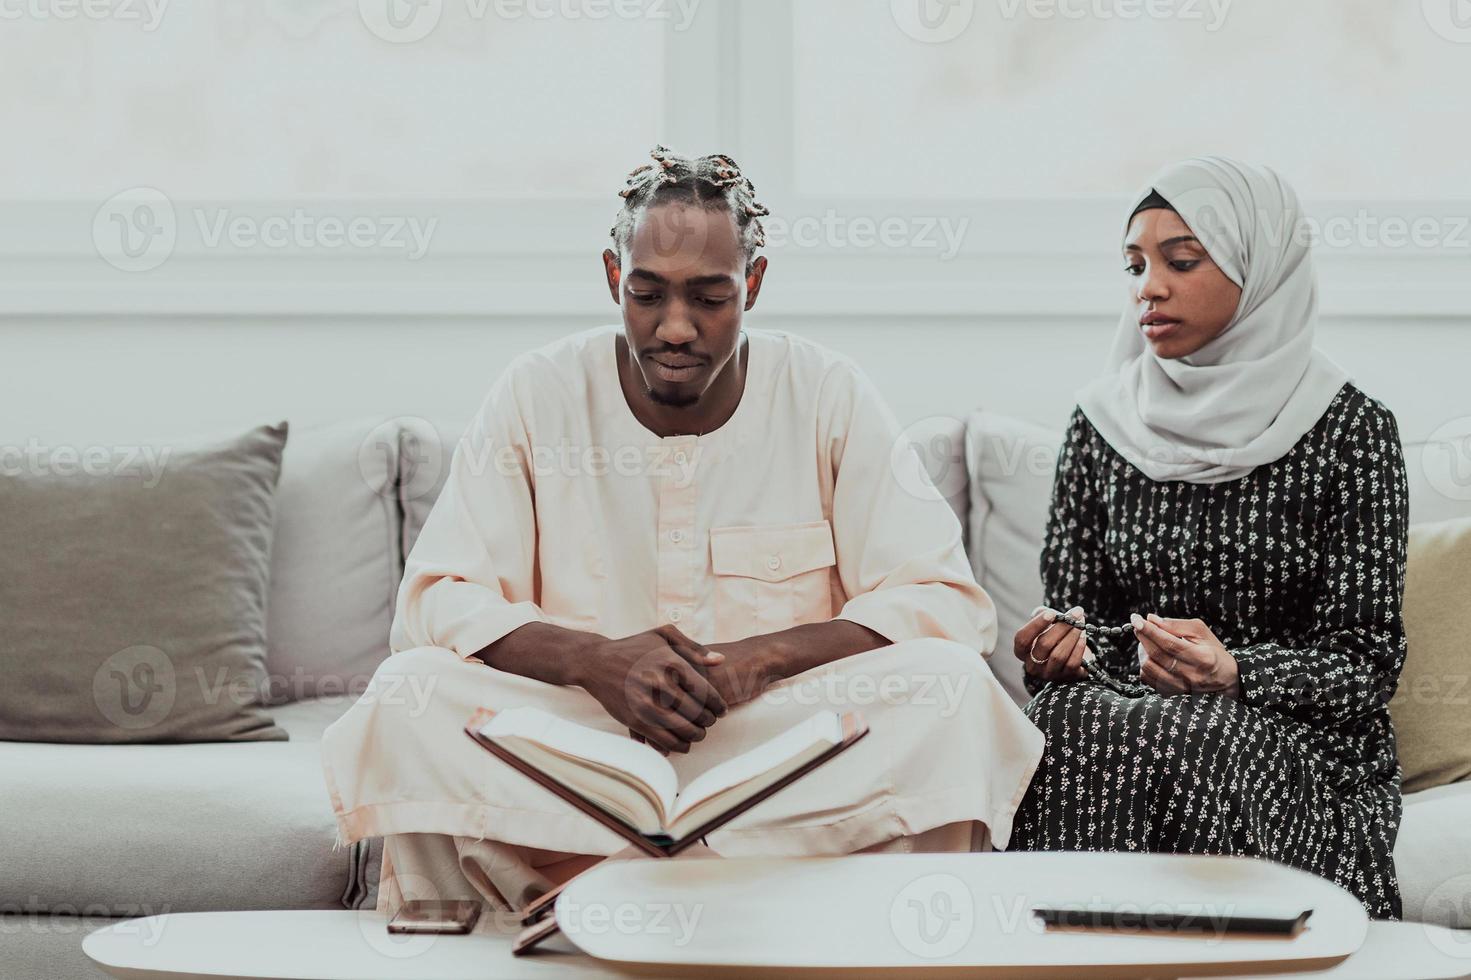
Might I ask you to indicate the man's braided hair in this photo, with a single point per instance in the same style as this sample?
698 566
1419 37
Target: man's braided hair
712 182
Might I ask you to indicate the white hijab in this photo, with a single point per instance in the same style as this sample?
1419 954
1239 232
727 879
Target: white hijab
1246 398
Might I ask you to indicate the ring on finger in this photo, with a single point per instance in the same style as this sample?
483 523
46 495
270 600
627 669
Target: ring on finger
1173 662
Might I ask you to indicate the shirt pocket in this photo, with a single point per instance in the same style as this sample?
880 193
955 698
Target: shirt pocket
771 577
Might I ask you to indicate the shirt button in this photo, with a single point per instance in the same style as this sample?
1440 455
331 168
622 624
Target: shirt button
676 535
773 563
681 458
674 615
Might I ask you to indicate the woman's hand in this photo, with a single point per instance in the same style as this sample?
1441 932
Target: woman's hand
1049 650
1183 656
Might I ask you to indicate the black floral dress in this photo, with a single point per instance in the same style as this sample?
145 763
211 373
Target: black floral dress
1298 568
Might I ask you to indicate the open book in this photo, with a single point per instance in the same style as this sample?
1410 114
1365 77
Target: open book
637 786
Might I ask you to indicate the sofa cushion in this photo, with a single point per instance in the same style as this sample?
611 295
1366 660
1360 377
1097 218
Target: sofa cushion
425 449
1011 465
337 559
1432 707
939 442
134 600
51 948
143 829
1432 856
1439 473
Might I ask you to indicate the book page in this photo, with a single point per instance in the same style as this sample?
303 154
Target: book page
745 775
608 789
590 749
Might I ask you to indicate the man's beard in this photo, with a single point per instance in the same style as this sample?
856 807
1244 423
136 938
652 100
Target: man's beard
670 401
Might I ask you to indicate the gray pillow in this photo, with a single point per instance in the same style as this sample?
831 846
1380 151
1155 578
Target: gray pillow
335 561
1431 723
425 449
1011 464
133 592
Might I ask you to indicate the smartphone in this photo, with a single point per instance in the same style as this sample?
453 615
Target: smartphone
1240 920
451 918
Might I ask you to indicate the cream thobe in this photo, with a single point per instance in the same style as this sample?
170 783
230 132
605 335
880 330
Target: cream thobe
806 505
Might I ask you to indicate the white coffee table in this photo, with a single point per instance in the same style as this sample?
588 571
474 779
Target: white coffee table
318 945
762 915
967 914
1400 951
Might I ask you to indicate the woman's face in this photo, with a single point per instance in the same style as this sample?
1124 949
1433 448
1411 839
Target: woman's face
1182 298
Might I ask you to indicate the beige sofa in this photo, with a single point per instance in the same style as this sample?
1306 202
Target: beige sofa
94 833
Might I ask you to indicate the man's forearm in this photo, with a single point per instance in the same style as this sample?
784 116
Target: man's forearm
814 644
541 651
554 654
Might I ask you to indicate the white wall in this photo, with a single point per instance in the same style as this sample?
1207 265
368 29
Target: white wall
109 381
1019 121
1020 125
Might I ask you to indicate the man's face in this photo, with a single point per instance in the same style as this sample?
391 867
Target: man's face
683 288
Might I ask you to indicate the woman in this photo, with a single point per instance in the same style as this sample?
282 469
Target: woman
1226 492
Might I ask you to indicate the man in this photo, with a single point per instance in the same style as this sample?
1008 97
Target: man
694 535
